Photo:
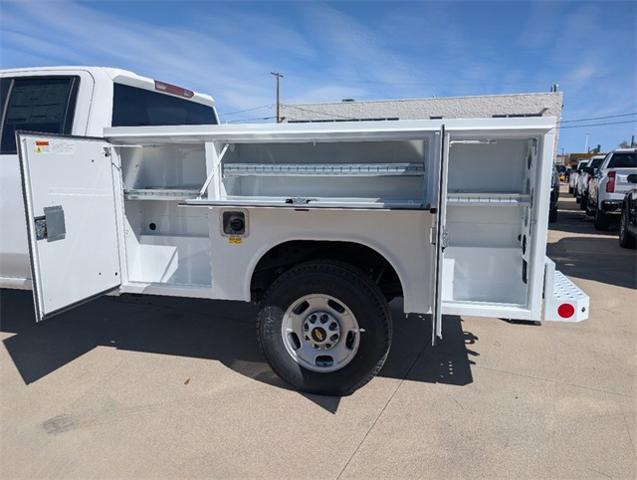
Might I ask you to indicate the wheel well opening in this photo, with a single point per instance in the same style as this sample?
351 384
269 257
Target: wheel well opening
284 256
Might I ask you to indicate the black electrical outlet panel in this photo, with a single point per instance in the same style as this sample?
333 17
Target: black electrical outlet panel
234 223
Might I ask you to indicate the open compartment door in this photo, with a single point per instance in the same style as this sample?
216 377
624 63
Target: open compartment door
439 235
71 219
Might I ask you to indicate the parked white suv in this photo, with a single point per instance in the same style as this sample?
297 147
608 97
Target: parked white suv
584 177
573 176
607 188
74 101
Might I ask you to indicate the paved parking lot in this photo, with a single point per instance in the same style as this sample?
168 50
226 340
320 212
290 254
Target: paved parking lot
150 387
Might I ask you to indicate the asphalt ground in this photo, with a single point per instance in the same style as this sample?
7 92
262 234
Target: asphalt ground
151 387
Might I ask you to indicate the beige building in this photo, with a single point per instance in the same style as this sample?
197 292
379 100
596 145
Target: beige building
479 106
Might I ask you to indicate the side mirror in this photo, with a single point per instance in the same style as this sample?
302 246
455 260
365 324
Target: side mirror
632 178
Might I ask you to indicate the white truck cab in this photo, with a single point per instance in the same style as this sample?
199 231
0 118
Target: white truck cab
74 101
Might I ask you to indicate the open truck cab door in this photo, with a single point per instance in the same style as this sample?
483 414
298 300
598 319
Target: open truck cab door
68 186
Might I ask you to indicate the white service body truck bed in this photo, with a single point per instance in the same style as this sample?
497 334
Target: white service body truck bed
449 214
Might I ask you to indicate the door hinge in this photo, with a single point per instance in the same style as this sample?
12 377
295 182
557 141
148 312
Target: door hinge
433 234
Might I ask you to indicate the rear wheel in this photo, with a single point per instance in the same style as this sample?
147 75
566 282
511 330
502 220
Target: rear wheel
324 327
626 240
601 219
570 189
583 203
589 210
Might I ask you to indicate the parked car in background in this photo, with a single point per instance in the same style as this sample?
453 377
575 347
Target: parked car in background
628 219
607 188
555 194
581 190
572 178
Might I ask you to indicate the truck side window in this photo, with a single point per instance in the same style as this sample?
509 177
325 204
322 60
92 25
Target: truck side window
37 104
138 107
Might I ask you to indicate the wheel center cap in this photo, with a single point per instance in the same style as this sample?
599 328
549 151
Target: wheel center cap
319 334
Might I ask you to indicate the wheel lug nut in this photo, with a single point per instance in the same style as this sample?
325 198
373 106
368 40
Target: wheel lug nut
313 318
334 337
323 318
333 326
328 345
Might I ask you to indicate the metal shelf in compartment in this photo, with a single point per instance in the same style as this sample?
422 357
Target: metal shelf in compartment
501 199
323 169
161 193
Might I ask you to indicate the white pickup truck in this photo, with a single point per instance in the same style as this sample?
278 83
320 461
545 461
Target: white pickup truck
609 184
75 101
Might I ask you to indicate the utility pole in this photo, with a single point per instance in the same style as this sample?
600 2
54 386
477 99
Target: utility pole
588 135
278 76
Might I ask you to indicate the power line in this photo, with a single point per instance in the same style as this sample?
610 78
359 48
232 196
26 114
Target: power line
599 118
248 109
326 114
240 120
598 124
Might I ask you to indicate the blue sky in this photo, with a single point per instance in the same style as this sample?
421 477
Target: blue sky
330 51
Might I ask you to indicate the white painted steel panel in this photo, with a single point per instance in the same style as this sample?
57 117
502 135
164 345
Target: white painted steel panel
401 236
76 175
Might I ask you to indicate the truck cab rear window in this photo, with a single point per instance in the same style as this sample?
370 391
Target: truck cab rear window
138 107
44 104
623 160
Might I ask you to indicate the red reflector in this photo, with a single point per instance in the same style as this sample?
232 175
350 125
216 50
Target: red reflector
566 310
610 185
173 89
41 143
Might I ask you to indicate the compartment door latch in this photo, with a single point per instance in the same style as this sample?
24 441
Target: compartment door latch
50 226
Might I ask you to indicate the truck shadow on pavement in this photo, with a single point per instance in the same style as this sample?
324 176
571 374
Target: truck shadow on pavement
222 331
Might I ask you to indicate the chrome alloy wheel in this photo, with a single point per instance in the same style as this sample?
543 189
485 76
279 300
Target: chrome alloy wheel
320 333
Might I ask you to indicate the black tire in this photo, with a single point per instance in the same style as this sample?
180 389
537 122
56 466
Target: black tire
553 215
589 211
601 219
626 240
570 190
583 202
358 293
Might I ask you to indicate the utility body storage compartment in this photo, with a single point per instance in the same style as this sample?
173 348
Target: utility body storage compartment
456 210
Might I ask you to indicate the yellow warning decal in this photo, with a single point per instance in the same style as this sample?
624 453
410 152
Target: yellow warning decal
41 146
234 240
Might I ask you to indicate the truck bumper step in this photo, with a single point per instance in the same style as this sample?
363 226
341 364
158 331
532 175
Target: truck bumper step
563 300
